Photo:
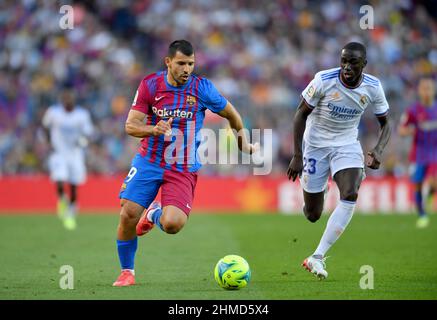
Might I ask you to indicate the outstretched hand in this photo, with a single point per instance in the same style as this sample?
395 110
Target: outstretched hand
295 167
373 159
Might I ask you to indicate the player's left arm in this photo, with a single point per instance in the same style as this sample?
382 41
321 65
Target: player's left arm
46 124
233 116
87 130
381 110
215 102
373 159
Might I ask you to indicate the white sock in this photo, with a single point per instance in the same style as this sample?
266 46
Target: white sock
130 270
150 215
337 222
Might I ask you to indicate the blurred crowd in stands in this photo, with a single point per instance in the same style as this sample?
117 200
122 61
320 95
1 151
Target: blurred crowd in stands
259 53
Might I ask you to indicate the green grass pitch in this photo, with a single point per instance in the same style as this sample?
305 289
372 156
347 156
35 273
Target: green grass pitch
34 247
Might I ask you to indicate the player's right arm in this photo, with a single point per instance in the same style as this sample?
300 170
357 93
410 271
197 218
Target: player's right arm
299 124
136 127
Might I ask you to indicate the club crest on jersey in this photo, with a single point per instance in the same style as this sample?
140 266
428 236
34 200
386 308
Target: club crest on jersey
191 100
336 95
310 92
364 100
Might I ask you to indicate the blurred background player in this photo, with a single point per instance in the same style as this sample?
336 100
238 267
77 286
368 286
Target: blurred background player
67 128
326 142
167 112
420 121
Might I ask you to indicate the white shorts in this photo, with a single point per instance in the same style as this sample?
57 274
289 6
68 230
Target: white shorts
67 167
320 162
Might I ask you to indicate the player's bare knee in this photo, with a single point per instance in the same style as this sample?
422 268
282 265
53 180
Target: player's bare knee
350 195
129 214
171 224
312 217
171 227
172 219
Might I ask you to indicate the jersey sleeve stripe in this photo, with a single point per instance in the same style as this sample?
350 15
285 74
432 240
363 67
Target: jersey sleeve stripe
371 78
307 104
381 114
368 79
330 74
331 77
373 84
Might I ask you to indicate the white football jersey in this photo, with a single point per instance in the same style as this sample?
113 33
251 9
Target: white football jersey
338 109
66 128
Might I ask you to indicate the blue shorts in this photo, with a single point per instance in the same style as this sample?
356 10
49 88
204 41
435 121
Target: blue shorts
144 179
419 172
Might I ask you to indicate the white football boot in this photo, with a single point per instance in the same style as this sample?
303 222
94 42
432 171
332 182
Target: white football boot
316 266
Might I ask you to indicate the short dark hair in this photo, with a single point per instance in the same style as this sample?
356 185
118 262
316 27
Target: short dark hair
356 46
182 46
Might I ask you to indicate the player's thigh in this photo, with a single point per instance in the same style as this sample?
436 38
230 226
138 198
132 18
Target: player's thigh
315 173
348 182
76 169
345 157
142 182
177 195
178 190
58 167
347 167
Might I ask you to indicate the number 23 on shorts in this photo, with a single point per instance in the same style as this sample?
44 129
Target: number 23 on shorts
309 165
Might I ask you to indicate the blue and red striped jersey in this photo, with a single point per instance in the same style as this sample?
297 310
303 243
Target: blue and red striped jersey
186 104
424 120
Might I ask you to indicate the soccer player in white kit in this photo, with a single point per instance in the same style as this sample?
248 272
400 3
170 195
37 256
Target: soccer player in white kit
68 128
326 142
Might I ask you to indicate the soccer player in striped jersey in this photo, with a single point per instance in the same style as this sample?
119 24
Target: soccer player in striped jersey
420 120
326 142
173 104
